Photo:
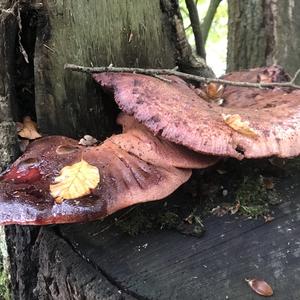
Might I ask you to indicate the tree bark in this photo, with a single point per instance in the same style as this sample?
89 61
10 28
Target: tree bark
96 32
122 33
263 33
8 33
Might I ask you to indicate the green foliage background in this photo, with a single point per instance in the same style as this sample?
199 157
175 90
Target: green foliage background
216 45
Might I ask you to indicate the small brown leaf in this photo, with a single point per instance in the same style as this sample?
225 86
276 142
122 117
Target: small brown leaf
268 218
88 140
234 209
260 287
75 181
235 122
214 91
268 183
219 211
29 130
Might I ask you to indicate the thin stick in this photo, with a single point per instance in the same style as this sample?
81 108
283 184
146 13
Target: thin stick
295 76
195 23
155 72
208 19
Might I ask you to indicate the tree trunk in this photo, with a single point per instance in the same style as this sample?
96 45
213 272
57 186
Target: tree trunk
124 33
8 29
49 34
262 33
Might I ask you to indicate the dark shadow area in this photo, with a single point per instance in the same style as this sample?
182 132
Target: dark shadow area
24 75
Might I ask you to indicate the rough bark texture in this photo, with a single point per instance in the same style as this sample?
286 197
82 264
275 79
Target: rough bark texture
247 45
8 32
45 266
124 33
263 32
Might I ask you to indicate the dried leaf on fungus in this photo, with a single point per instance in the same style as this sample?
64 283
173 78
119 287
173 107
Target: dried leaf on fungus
235 122
75 181
271 113
88 140
260 287
29 129
214 91
126 180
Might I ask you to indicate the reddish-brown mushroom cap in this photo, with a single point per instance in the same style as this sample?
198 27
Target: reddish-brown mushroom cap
125 180
178 114
237 97
265 74
139 141
137 165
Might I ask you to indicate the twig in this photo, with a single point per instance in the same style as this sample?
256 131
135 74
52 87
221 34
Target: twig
210 14
186 28
295 76
162 78
195 23
155 72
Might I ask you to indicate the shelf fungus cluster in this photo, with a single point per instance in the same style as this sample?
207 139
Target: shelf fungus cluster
169 128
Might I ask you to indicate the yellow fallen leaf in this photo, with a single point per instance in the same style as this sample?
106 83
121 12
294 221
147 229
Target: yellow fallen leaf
29 129
235 122
75 181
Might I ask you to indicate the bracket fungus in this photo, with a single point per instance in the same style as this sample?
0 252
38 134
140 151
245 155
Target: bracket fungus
127 177
168 130
177 113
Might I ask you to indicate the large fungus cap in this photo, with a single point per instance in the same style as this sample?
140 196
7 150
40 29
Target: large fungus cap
176 112
125 180
132 170
140 141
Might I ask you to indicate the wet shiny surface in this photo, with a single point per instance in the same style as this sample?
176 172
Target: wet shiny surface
125 180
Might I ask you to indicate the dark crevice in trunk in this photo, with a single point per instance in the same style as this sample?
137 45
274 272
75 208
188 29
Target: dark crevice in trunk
24 76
